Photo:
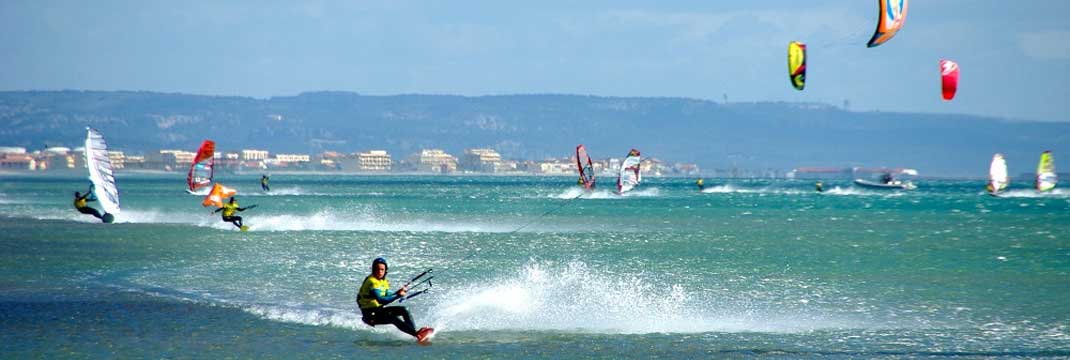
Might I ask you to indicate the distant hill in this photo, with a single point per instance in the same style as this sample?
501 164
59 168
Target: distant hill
713 135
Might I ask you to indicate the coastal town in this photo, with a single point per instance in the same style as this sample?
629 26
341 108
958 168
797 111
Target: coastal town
60 159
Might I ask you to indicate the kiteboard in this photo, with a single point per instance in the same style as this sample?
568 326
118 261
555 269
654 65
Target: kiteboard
244 228
108 218
423 337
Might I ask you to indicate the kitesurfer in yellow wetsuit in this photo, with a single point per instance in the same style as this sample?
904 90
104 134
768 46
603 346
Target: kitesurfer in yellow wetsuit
228 210
375 294
701 184
81 203
264 183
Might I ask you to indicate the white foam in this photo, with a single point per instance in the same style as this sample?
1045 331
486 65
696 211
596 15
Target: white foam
603 194
729 189
575 298
1031 193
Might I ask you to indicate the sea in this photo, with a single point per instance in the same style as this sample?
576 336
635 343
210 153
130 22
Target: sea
536 267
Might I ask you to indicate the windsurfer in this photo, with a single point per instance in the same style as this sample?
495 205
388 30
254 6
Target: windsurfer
264 183
81 203
228 210
375 294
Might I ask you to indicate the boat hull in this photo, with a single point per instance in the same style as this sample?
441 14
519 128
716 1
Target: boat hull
894 185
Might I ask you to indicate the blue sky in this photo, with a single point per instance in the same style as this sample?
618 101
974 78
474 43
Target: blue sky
1014 55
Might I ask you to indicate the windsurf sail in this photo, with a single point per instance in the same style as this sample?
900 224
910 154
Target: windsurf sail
217 195
797 64
586 168
949 79
893 13
997 174
630 176
100 171
1046 177
203 167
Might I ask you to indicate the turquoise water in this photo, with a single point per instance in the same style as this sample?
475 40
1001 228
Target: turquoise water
748 268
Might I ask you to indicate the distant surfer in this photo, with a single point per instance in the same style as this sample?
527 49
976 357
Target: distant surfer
81 202
701 184
375 294
581 181
819 187
228 210
264 183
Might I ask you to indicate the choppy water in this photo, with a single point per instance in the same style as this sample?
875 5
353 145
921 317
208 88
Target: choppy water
744 268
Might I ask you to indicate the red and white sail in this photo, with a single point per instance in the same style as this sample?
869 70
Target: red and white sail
630 176
202 169
585 167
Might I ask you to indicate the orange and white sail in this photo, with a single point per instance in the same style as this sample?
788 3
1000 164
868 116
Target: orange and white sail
217 195
893 13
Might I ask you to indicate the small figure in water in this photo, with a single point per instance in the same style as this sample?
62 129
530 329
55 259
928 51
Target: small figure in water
228 210
81 203
990 188
819 186
581 181
264 183
701 184
375 294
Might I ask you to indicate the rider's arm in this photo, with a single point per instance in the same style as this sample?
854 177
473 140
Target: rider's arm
384 296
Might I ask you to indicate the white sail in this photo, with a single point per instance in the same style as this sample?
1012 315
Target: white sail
100 171
997 174
630 176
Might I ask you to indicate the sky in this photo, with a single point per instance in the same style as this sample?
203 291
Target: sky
1014 55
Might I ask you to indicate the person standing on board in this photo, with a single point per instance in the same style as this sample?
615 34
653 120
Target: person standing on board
375 294
228 210
81 203
264 183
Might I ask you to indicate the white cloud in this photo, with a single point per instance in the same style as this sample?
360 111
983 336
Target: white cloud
1046 45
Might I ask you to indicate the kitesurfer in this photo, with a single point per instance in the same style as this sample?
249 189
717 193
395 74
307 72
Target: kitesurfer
375 294
81 203
701 184
819 186
228 210
264 183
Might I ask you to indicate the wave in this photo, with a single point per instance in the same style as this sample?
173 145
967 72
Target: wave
366 219
725 189
1030 193
603 194
573 297
539 296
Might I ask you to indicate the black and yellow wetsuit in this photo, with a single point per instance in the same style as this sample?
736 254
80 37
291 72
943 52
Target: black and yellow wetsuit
373 297
228 213
81 203
264 183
